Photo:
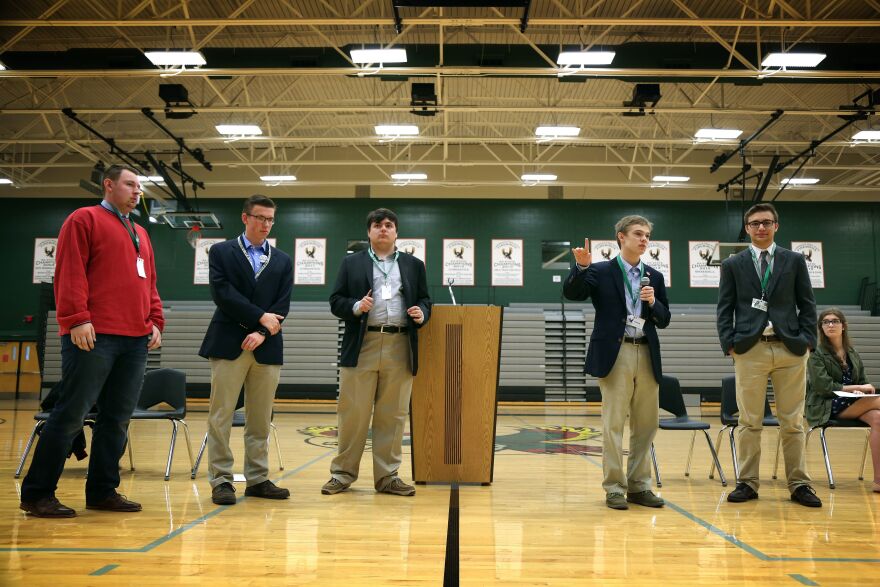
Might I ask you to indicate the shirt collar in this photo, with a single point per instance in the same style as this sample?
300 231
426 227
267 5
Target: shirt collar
770 250
248 244
108 206
629 267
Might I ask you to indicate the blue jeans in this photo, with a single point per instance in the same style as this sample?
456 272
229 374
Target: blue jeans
111 376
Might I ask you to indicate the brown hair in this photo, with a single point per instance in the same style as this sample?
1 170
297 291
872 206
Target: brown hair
761 207
257 200
114 171
380 214
623 225
823 340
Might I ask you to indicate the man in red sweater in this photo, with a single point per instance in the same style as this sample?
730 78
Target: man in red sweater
110 315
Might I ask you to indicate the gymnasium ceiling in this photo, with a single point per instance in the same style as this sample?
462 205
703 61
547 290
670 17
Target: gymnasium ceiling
284 65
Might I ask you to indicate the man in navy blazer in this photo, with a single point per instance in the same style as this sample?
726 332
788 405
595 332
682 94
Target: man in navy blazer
382 295
251 283
767 322
624 354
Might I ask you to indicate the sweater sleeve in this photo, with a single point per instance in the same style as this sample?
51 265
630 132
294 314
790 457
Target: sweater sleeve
71 283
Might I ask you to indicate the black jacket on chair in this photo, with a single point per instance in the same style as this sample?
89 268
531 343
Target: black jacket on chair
243 298
355 279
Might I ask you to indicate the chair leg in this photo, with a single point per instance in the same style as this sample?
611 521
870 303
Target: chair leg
27 449
733 454
778 445
687 468
195 468
277 446
189 449
827 459
656 469
714 458
171 449
864 455
717 450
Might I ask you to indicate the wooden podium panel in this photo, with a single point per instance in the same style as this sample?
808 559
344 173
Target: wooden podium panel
454 395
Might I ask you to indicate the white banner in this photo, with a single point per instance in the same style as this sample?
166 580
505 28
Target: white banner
309 261
812 252
603 250
200 271
272 242
701 274
657 256
458 261
413 246
44 259
507 262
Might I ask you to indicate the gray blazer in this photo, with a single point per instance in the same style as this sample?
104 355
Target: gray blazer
791 305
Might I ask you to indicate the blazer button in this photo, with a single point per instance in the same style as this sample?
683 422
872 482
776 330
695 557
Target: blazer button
620 340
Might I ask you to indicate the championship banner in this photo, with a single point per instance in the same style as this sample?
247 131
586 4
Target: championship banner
458 261
44 259
200 271
657 256
603 250
272 242
812 252
507 262
309 261
413 246
701 273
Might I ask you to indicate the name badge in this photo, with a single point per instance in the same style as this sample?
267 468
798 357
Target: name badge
386 292
140 268
759 304
635 322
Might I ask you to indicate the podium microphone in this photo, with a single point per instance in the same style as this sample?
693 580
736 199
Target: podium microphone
449 282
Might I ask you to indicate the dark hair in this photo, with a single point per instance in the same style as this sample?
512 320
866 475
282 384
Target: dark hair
762 207
380 214
256 200
823 340
114 171
624 224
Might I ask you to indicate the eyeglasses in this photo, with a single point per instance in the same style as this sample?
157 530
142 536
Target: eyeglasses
832 322
263 219
755 224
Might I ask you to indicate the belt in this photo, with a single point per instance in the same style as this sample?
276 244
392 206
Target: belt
635 341
388 329
770 338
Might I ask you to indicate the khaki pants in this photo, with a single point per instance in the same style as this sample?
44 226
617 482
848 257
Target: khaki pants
788 372
629 390
260 382
380 385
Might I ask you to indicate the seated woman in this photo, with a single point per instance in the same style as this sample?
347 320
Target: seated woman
836 366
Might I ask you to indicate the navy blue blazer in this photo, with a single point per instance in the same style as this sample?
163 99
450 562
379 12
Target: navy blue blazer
354 280
602 282
242 299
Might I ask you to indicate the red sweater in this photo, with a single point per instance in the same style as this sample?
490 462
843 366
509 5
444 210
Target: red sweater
96 277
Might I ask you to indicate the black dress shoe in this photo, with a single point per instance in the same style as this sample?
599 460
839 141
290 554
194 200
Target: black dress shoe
47 507
742 493
267 490
223 494
805 495
114 503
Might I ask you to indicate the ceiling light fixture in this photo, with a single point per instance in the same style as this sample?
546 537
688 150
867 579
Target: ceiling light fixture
5 181
389 132
153 178
800 181
671 178
717 134
555 132
409 176
176 58
530 179
581 58
867 135
276 179
792 59
2 66
367 56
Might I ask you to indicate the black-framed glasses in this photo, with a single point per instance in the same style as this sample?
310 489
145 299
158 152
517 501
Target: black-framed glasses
756 224
831 322
262 219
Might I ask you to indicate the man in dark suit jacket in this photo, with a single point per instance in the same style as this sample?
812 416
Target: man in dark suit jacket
624 354
767 323
382 295
251 283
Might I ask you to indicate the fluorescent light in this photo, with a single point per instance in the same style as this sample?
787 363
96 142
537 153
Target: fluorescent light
793 59
538 177
4 181
716 134
153 178
557 131
277 178
867 135
671 178
364 56
238 129
2 66
176 57
571 58
800 180
408 176
397 129
154 220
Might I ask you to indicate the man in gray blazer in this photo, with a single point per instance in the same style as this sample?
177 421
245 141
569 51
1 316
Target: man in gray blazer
767 322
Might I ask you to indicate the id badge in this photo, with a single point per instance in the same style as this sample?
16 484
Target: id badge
635 322
386 292
140 268
759 304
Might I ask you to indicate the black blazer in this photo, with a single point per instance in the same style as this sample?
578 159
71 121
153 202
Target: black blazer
791 305
354 280
603 283
242 299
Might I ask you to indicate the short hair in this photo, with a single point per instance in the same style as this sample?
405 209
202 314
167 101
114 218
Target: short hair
256 200
114 171
380 214
623 225
823 340
761 207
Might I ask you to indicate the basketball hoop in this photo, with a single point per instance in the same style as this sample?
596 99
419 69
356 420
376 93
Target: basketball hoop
193 236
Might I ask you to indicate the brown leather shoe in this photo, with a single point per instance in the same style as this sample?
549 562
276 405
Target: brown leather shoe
115 503
47 507
267 490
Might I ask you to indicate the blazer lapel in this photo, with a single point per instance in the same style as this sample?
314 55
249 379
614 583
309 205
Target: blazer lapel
403 277
780 264
748 267
617 277
367 267
239 252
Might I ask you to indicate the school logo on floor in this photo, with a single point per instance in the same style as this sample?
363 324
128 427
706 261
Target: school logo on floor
562 440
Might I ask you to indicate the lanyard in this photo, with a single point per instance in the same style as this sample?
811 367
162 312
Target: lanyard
262 250
129 228
766 279
381 264
632 294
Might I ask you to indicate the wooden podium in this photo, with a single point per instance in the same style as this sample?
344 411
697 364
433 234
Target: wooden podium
454 397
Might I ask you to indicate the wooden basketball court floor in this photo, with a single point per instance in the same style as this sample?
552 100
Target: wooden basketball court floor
542 522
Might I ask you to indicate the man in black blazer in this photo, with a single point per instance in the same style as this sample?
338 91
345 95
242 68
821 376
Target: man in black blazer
251 283
382 295
624 354
767 323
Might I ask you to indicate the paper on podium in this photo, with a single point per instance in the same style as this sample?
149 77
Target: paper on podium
851 394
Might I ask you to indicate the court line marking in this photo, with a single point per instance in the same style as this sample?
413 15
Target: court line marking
102 571
803 580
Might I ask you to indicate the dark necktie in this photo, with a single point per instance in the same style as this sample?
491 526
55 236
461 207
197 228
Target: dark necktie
764 263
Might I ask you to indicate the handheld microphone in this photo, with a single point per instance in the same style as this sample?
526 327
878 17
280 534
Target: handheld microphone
644 281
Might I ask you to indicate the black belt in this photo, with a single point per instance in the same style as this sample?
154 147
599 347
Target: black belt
635 341
387 329
771 338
